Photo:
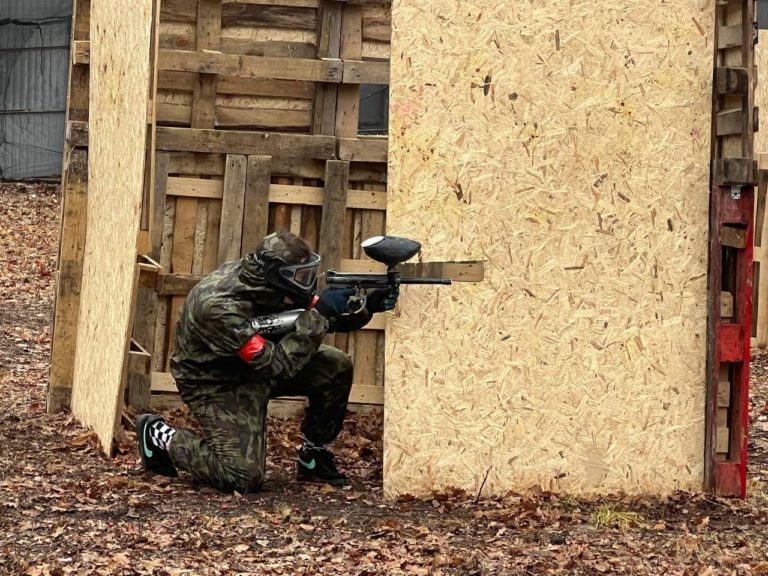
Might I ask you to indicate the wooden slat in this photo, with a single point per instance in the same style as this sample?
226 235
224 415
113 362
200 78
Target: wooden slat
735 171
212 233
197 164
265 87
364 149
230 237
253 66
722 440
256 208
295 3
176 304
726 305
234 142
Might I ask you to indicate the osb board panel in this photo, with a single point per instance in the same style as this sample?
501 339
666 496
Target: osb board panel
567 145
761 92
118 105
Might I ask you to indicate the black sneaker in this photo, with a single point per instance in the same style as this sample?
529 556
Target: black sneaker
153 458
316 465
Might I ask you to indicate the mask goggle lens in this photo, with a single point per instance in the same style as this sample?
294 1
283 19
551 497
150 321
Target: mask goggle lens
304 273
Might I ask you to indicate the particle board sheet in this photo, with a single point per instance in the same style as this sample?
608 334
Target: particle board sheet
118 122
761 92
567 145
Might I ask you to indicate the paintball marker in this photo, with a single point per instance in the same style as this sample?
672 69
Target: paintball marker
389 250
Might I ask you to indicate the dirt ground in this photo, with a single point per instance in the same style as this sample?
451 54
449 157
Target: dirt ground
65 509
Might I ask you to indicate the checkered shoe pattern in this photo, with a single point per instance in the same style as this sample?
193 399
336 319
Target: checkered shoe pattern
161 434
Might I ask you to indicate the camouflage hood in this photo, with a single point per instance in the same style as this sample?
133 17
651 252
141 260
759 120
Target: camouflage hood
251 283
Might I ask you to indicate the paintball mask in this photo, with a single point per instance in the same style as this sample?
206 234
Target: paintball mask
297 279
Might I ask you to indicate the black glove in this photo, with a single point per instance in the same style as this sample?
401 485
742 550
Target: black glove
333 302
380 300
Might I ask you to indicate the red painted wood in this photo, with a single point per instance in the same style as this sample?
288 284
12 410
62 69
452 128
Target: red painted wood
728 479
734 211
730 342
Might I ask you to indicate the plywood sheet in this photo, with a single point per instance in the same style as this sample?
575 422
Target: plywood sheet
118 113
761 92
567 145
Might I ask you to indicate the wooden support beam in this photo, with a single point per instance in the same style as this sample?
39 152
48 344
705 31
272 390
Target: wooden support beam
234 142
365 72
69 277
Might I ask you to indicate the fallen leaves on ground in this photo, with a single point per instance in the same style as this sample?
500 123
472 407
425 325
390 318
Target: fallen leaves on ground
65 509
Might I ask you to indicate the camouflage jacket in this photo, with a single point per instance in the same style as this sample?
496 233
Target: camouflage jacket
215 323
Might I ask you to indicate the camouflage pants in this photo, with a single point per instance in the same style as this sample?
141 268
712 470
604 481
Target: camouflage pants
232 455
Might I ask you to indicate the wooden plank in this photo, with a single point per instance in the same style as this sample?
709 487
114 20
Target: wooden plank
314 196
334 209
731 80
209 14
175 309
76 134
348 105
365 72
729 36
295 3
733 237
265 87
363 149
182 11
163 383
726 305
184 235
472 271
201 226
81 52
723 439
195 187
230 236
735 171
730 122
212 233
120 56
274 48
234 142
722 418
329 70
266 16
328 46
138 359
263 119
69 277
256 207
366 343
196 164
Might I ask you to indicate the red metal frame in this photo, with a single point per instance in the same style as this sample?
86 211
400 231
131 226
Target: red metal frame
730 341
